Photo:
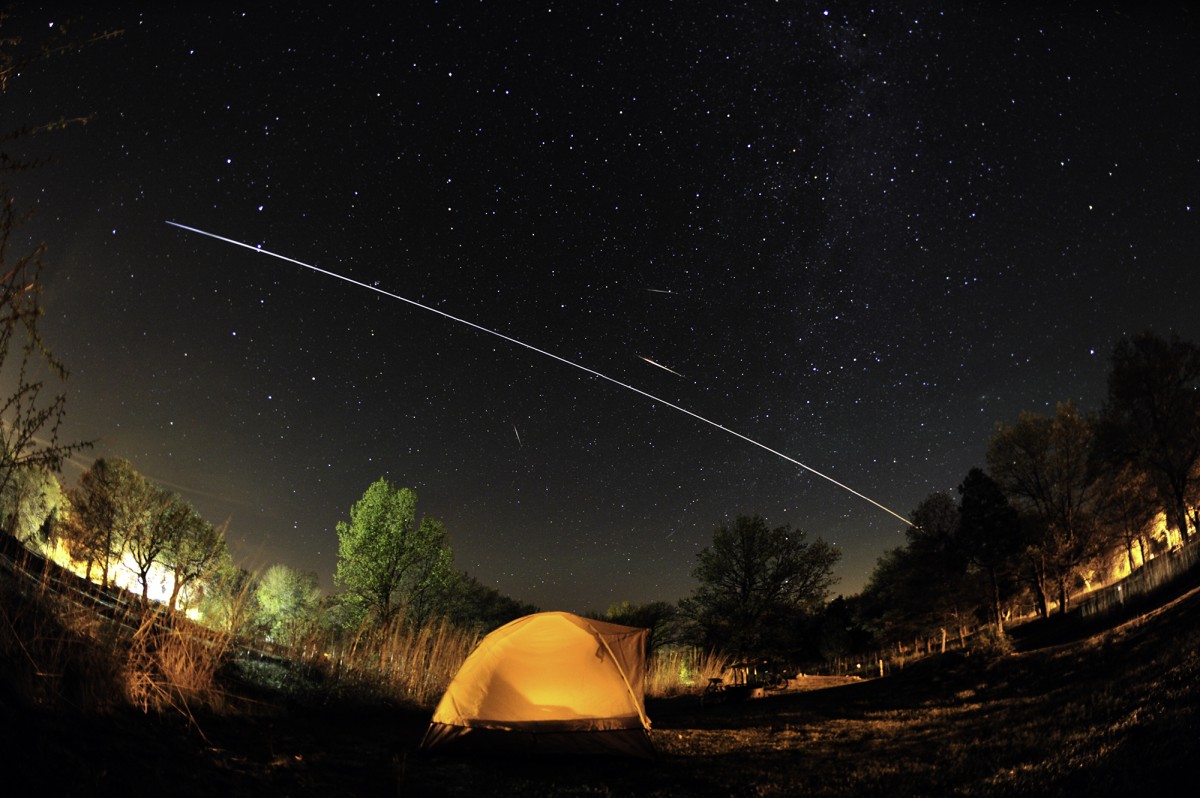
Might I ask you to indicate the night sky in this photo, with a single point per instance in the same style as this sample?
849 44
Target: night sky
860 235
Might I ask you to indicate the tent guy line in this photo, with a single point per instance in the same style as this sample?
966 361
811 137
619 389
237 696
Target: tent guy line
543 352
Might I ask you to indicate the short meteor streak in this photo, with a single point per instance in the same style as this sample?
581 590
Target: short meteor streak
543 352
661 366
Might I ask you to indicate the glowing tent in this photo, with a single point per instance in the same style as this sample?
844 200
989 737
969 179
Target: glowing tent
548 683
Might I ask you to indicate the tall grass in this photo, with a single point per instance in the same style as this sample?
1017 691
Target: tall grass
403 661
58 649
679 671
49 657
172 663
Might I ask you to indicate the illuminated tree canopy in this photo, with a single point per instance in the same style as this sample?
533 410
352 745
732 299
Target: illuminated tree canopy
387 559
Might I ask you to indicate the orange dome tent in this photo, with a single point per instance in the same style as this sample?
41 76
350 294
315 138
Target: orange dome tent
552 682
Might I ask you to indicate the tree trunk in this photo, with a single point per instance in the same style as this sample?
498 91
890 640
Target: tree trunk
996 601
943 640
1043 602
1181 514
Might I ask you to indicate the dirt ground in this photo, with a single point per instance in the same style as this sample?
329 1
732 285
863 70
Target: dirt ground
1111 714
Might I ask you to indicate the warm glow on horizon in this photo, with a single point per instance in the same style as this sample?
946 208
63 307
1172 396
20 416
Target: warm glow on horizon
124 575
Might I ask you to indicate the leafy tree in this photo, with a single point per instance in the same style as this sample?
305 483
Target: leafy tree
922 588
1128 509
29 504
661 618
889 598
473 605
287 601
755 582
939 564
104 508
194 552
990 535
227 602
1046 467
841 632
1151 418
388 560
158 517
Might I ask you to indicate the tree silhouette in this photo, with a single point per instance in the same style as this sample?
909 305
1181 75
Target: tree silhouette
990 534
1151 418
754 583
1047 469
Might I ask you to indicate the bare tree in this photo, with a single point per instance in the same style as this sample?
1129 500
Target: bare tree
31 415
1046 467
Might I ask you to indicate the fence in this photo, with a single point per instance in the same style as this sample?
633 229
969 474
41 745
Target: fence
32 573
1156 573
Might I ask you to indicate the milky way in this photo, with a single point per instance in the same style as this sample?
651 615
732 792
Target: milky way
859 233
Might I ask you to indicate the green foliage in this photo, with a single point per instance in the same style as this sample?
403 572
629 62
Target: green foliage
29 504
194 553
756 584
388 560
287 601
158 518
227 602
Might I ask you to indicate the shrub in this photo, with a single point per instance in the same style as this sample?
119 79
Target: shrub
991 643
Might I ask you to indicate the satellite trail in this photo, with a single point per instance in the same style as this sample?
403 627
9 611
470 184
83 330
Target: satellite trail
544 353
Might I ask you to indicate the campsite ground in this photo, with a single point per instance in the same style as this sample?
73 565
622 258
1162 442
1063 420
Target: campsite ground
1111 714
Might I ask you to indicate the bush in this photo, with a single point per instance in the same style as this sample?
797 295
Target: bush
991 643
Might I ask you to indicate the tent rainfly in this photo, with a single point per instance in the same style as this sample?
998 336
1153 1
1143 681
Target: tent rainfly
552 682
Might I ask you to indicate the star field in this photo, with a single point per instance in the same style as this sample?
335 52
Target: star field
860 235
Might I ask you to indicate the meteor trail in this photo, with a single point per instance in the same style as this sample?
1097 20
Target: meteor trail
661 366
551 355
518 436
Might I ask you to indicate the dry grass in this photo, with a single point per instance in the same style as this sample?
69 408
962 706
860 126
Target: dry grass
681 671
173 664
1109 714
52 654
60 652
409 664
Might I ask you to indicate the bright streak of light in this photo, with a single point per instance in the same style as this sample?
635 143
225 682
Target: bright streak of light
661 366
544 353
